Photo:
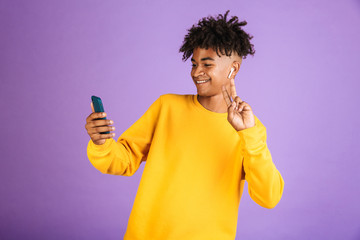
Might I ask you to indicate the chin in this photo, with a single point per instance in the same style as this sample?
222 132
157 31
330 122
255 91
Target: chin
204 94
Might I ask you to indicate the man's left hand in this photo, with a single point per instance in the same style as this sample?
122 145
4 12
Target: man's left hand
240 114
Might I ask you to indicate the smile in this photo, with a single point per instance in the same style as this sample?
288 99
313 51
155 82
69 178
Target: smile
203 81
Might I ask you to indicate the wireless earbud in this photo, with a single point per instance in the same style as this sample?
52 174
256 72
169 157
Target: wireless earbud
232 70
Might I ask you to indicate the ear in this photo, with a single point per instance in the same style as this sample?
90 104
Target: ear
236 65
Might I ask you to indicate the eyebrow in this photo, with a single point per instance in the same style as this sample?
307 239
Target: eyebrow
203 59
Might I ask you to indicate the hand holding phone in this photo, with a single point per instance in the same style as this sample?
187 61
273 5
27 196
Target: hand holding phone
97 125
98 107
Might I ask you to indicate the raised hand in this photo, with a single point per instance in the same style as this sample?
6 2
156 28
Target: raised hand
94 126
240 114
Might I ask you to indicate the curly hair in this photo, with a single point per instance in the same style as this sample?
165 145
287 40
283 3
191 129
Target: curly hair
223 36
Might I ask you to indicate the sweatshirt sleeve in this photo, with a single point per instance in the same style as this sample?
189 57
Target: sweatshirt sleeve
124 156
265 183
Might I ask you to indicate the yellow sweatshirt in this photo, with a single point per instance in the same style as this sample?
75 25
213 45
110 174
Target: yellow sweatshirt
196 165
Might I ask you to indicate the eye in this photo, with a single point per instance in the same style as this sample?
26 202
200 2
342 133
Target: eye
207 65
193 65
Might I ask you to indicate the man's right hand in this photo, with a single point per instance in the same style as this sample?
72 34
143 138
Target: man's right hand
95 126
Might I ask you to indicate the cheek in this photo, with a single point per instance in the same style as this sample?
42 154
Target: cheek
212 73
216 74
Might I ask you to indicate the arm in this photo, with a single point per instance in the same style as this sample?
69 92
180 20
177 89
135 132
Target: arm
124 156
265 182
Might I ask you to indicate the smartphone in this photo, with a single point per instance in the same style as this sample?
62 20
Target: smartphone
98 107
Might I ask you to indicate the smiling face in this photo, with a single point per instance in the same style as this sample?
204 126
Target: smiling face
209 71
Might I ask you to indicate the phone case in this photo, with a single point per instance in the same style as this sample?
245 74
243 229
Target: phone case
98 107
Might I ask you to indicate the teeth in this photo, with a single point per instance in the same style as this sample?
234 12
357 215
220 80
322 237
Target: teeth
202 81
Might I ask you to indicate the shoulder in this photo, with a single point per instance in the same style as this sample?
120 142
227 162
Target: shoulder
171 98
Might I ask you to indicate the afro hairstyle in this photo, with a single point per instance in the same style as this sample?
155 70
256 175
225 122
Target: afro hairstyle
225 37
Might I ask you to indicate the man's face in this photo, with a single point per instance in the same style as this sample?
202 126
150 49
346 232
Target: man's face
209 67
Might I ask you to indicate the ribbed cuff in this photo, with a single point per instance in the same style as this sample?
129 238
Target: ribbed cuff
101 147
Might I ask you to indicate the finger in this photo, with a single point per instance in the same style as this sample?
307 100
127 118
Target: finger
96 123
237 97
95 115
102 122
101 129
98 136
237 102
232 88
92 107
243 106
231 112
226 96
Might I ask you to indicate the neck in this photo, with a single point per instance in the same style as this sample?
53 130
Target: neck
213 103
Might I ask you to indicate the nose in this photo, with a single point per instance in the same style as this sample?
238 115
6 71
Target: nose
198 71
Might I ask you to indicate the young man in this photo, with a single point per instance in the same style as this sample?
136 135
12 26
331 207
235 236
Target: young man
199 149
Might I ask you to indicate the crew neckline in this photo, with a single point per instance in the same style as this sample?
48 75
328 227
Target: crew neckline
204 110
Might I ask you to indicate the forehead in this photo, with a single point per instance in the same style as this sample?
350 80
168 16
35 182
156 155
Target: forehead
200 53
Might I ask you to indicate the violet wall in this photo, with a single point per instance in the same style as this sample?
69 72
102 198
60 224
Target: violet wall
302 83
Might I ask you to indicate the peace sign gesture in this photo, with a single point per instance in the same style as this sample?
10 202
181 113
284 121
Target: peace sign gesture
240 114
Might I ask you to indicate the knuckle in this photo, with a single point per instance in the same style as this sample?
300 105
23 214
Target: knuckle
93 137
97 136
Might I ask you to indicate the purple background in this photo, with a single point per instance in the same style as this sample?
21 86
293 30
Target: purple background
302 83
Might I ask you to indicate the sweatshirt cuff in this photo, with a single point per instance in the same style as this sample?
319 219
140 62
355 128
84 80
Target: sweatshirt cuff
253 137
101 147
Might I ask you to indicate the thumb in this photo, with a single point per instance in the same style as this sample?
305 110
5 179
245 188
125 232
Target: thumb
92 107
